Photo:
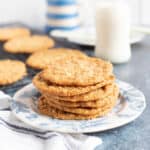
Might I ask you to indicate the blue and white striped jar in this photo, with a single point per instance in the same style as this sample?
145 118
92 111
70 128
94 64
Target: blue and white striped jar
62 15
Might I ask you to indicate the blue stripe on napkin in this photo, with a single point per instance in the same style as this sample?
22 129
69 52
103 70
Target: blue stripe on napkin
8 126
62 16
43 134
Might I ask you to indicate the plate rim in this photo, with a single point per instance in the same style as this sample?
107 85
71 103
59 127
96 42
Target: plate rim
58 34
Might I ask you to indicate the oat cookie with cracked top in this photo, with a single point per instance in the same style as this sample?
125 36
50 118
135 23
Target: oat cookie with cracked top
81 104
90 110
90 96
75 72
102 101
42 59
29 44
11 71
8 33
45 109
45 87
56 113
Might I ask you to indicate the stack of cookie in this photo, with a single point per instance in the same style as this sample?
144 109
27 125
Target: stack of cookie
76 88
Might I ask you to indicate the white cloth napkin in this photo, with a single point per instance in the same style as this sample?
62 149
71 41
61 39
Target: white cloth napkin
15 135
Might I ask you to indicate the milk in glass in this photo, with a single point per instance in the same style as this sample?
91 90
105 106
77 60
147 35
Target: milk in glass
113 32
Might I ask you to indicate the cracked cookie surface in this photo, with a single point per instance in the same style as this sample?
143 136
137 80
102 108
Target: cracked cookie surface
42 59
77 72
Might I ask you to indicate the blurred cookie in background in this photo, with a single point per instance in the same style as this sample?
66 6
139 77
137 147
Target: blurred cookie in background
11 71
42 59
8 33
29 44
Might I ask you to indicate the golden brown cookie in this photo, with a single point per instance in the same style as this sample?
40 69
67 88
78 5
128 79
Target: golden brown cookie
90 96
42 59
46 87
46 109
56 113
53 112
84 104
8 33
86 110
75 72
11 71
29 44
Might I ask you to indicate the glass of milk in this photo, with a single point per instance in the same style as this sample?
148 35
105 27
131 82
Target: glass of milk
113 32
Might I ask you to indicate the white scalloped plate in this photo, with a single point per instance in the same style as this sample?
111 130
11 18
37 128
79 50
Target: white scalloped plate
79 36
130 106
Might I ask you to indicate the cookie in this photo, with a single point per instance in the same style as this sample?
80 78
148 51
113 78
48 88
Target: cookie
90 96
13 32
45 109
86 110
56 113
46 87
75 72
42 59
29 44
84 104
11 71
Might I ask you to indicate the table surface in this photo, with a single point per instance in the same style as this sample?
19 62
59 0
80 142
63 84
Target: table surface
134 136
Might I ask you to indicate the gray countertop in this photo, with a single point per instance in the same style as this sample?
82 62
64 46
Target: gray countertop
136 135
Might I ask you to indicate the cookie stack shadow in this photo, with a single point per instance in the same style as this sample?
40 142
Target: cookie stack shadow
76 89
